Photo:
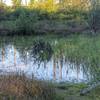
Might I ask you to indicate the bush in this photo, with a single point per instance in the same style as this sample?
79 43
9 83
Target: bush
25 23
26 19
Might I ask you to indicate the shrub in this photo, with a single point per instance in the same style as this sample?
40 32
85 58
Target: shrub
24 20
48 6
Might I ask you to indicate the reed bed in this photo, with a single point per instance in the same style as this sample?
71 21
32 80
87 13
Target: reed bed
18 87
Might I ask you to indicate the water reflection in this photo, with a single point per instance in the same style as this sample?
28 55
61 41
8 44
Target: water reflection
14 58
42 51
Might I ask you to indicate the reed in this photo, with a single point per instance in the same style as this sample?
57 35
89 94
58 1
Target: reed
16 86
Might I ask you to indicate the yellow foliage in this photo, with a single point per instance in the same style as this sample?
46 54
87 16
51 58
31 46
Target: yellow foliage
48 5
79 4
52 6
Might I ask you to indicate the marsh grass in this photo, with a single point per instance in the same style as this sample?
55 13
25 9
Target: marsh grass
19 87
81 50
77 48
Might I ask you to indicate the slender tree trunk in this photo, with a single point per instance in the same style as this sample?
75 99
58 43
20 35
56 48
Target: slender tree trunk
3 56
60 68
14 57
1 1
25 2
54 68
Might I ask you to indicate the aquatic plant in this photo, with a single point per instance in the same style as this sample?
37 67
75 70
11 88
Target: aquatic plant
41 50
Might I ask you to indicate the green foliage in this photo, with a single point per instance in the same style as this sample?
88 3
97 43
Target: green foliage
16 3
3 12
21 21
24 20
93 19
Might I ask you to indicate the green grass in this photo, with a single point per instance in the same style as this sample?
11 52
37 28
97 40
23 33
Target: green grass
72 92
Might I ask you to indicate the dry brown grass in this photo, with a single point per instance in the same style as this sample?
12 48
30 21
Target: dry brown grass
22 87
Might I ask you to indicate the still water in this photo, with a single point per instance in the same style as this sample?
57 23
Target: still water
15 58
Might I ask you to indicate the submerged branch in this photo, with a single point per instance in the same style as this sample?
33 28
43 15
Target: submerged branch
89 89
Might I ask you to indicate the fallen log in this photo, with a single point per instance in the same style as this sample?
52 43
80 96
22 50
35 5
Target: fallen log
88 89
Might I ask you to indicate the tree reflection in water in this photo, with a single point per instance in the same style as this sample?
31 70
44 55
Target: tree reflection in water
48 62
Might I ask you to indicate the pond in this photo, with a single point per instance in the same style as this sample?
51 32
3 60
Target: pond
51 59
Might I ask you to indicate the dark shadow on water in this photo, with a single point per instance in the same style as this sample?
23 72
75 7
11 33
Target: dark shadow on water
42 51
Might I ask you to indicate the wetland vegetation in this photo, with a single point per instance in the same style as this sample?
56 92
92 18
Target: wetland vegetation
49 50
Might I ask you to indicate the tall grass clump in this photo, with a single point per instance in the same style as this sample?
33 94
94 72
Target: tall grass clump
19 87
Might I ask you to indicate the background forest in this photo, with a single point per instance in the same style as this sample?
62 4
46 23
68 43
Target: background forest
49 17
